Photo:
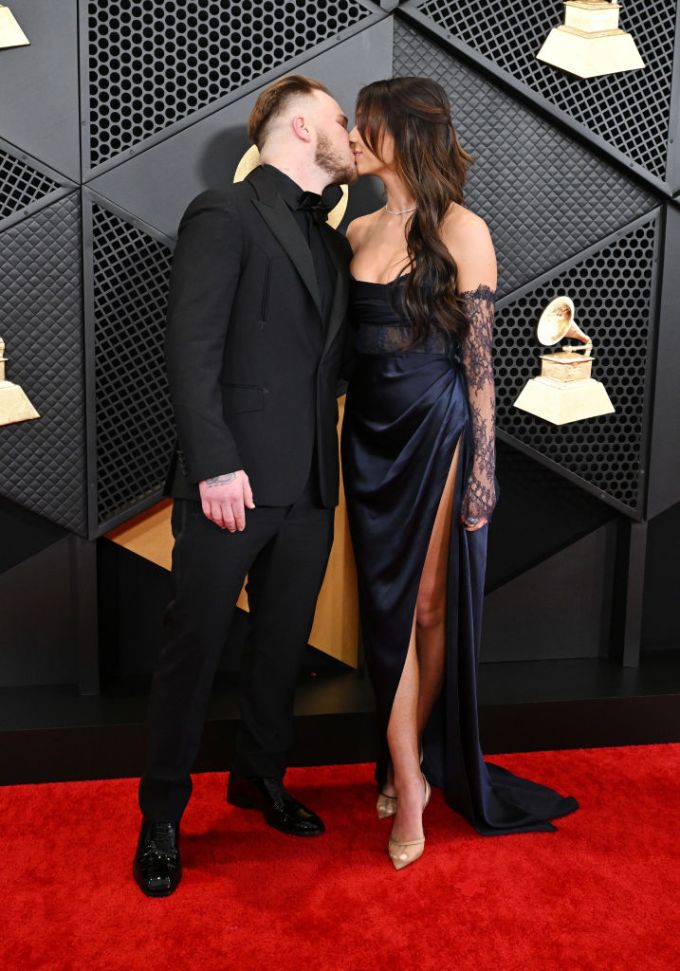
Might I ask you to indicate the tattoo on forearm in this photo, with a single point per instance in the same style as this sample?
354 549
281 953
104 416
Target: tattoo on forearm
219 480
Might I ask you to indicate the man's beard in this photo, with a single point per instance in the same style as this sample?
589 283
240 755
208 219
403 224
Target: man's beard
339 170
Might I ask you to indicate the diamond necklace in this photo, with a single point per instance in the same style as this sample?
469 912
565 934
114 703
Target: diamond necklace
399 212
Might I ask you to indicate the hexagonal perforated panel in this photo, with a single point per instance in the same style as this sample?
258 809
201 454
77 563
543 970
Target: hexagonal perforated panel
612 291
20 185
134 424
629 110
528 177
154 62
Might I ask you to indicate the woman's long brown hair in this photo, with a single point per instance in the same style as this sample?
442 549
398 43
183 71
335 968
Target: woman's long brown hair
432 164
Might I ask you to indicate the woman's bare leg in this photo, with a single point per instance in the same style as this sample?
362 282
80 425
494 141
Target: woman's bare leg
431 607
404 745
421 678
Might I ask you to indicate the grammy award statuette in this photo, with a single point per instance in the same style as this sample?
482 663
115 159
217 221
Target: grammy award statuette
565 389
14 404
590 42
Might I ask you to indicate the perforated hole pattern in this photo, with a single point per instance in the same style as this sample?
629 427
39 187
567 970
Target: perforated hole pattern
527 178
612 293
629 110
154 62
20 185
134 424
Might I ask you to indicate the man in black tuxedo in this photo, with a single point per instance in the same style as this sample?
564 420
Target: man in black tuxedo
256 340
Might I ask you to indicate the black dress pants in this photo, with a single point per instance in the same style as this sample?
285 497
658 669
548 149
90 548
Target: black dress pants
284 551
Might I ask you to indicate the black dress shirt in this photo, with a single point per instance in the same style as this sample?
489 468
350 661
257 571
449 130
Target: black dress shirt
306 219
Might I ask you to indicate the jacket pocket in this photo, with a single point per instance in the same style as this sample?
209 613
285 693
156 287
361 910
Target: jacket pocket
239 398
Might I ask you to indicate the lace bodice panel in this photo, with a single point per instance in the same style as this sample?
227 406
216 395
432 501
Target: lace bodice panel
397 339
382 329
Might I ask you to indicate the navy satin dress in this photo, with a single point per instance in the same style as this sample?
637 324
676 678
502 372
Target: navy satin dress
406 409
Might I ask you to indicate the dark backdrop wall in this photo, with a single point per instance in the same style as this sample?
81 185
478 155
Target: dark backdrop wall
118 113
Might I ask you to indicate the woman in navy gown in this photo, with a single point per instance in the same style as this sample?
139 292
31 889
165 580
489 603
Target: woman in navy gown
419 459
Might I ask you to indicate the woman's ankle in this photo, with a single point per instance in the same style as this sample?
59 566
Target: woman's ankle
412 783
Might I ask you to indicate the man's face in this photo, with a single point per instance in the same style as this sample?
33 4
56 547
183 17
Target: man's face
333 152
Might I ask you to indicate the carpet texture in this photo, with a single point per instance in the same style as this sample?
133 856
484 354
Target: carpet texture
602 893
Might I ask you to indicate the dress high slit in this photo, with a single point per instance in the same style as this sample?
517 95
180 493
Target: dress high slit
407 409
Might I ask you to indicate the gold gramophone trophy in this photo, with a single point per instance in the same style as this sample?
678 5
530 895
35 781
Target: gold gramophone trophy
14 405
11 34
251 160
565 390
590 42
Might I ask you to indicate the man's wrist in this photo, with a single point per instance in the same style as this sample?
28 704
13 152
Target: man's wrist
218 480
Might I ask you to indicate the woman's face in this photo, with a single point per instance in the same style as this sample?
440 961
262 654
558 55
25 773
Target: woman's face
366 162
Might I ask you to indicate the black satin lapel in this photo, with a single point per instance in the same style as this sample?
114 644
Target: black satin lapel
282 223
339 306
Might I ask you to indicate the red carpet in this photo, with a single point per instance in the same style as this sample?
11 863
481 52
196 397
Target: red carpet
602 893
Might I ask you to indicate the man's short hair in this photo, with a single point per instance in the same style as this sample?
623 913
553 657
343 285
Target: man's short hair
273 100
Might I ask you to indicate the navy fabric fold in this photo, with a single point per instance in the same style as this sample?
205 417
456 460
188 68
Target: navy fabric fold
404 416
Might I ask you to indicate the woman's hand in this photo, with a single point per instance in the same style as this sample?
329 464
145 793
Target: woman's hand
477 504
471 526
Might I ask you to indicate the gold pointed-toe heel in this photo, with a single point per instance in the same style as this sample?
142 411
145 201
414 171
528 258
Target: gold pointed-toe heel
403 852
386 806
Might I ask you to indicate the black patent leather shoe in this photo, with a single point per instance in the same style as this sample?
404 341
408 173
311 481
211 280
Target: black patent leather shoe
157 867
279 808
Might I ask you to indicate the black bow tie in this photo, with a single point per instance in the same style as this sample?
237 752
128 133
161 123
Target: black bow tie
312 203
319 206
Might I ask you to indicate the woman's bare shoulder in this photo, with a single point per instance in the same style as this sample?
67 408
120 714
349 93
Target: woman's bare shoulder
462 225
469 241
359 226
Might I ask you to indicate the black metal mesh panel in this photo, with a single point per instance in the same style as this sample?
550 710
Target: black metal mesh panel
20 185
134 424
629 110
154 62
540 512
612 291
43 461
543 194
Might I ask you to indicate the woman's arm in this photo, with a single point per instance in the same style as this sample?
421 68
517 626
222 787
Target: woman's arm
473 250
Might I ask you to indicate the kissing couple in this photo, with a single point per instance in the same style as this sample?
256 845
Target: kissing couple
271 311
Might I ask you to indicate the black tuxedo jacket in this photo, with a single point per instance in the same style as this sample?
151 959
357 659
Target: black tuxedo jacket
253 367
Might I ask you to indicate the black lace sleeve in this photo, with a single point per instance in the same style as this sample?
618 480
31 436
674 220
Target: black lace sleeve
479 497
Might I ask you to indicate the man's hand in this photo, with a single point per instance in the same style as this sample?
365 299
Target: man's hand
225 499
